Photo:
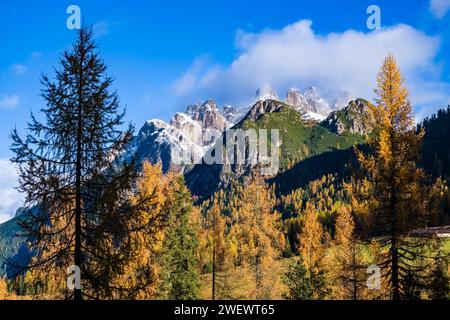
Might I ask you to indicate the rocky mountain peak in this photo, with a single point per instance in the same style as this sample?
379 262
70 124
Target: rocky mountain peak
308 103
262 107
190 133
297 100
350 119
230 113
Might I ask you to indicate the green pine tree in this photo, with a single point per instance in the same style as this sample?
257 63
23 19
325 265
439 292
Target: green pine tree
179 261
304 284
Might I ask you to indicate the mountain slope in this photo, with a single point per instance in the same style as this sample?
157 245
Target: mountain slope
300 140
13 249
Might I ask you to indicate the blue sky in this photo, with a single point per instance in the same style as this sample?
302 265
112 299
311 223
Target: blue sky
168 54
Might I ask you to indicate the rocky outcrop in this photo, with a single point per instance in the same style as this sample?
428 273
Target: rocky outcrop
262 107
188 127
208 116
178 146
350 119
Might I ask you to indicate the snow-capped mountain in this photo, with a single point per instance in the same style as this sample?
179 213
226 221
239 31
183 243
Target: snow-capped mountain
309 103
183 142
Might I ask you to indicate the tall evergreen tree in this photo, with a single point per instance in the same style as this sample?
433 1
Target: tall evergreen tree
180 276
393 190
70 168
303 283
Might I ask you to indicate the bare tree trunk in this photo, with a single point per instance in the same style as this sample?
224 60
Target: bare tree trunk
77 293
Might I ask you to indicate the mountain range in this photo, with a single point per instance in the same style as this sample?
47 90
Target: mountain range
316 139
181 143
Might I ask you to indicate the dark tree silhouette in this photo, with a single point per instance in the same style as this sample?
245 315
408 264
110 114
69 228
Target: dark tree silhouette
73 167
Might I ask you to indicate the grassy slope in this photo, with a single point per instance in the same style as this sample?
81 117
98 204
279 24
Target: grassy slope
300 139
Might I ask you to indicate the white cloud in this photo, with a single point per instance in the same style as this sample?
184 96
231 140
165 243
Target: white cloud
10 199
296 56
9 101
36 55
439 8
18 69
104 27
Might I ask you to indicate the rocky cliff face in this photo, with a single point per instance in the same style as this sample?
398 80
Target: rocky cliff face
182 143
262 107
350 119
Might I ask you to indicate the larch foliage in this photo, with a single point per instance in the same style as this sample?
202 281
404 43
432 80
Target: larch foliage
141 277
348 266
255 228
311 238
392 192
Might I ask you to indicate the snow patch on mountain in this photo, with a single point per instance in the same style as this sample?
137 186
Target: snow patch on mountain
313 116
309 103
184 141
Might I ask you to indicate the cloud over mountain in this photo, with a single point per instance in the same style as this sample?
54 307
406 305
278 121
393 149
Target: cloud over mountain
297 56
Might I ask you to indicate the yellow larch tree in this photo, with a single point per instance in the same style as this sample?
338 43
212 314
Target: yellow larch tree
141 275
393 191
255 227
348 269
311 239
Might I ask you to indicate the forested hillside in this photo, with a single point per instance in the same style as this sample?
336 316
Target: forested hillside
351 196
